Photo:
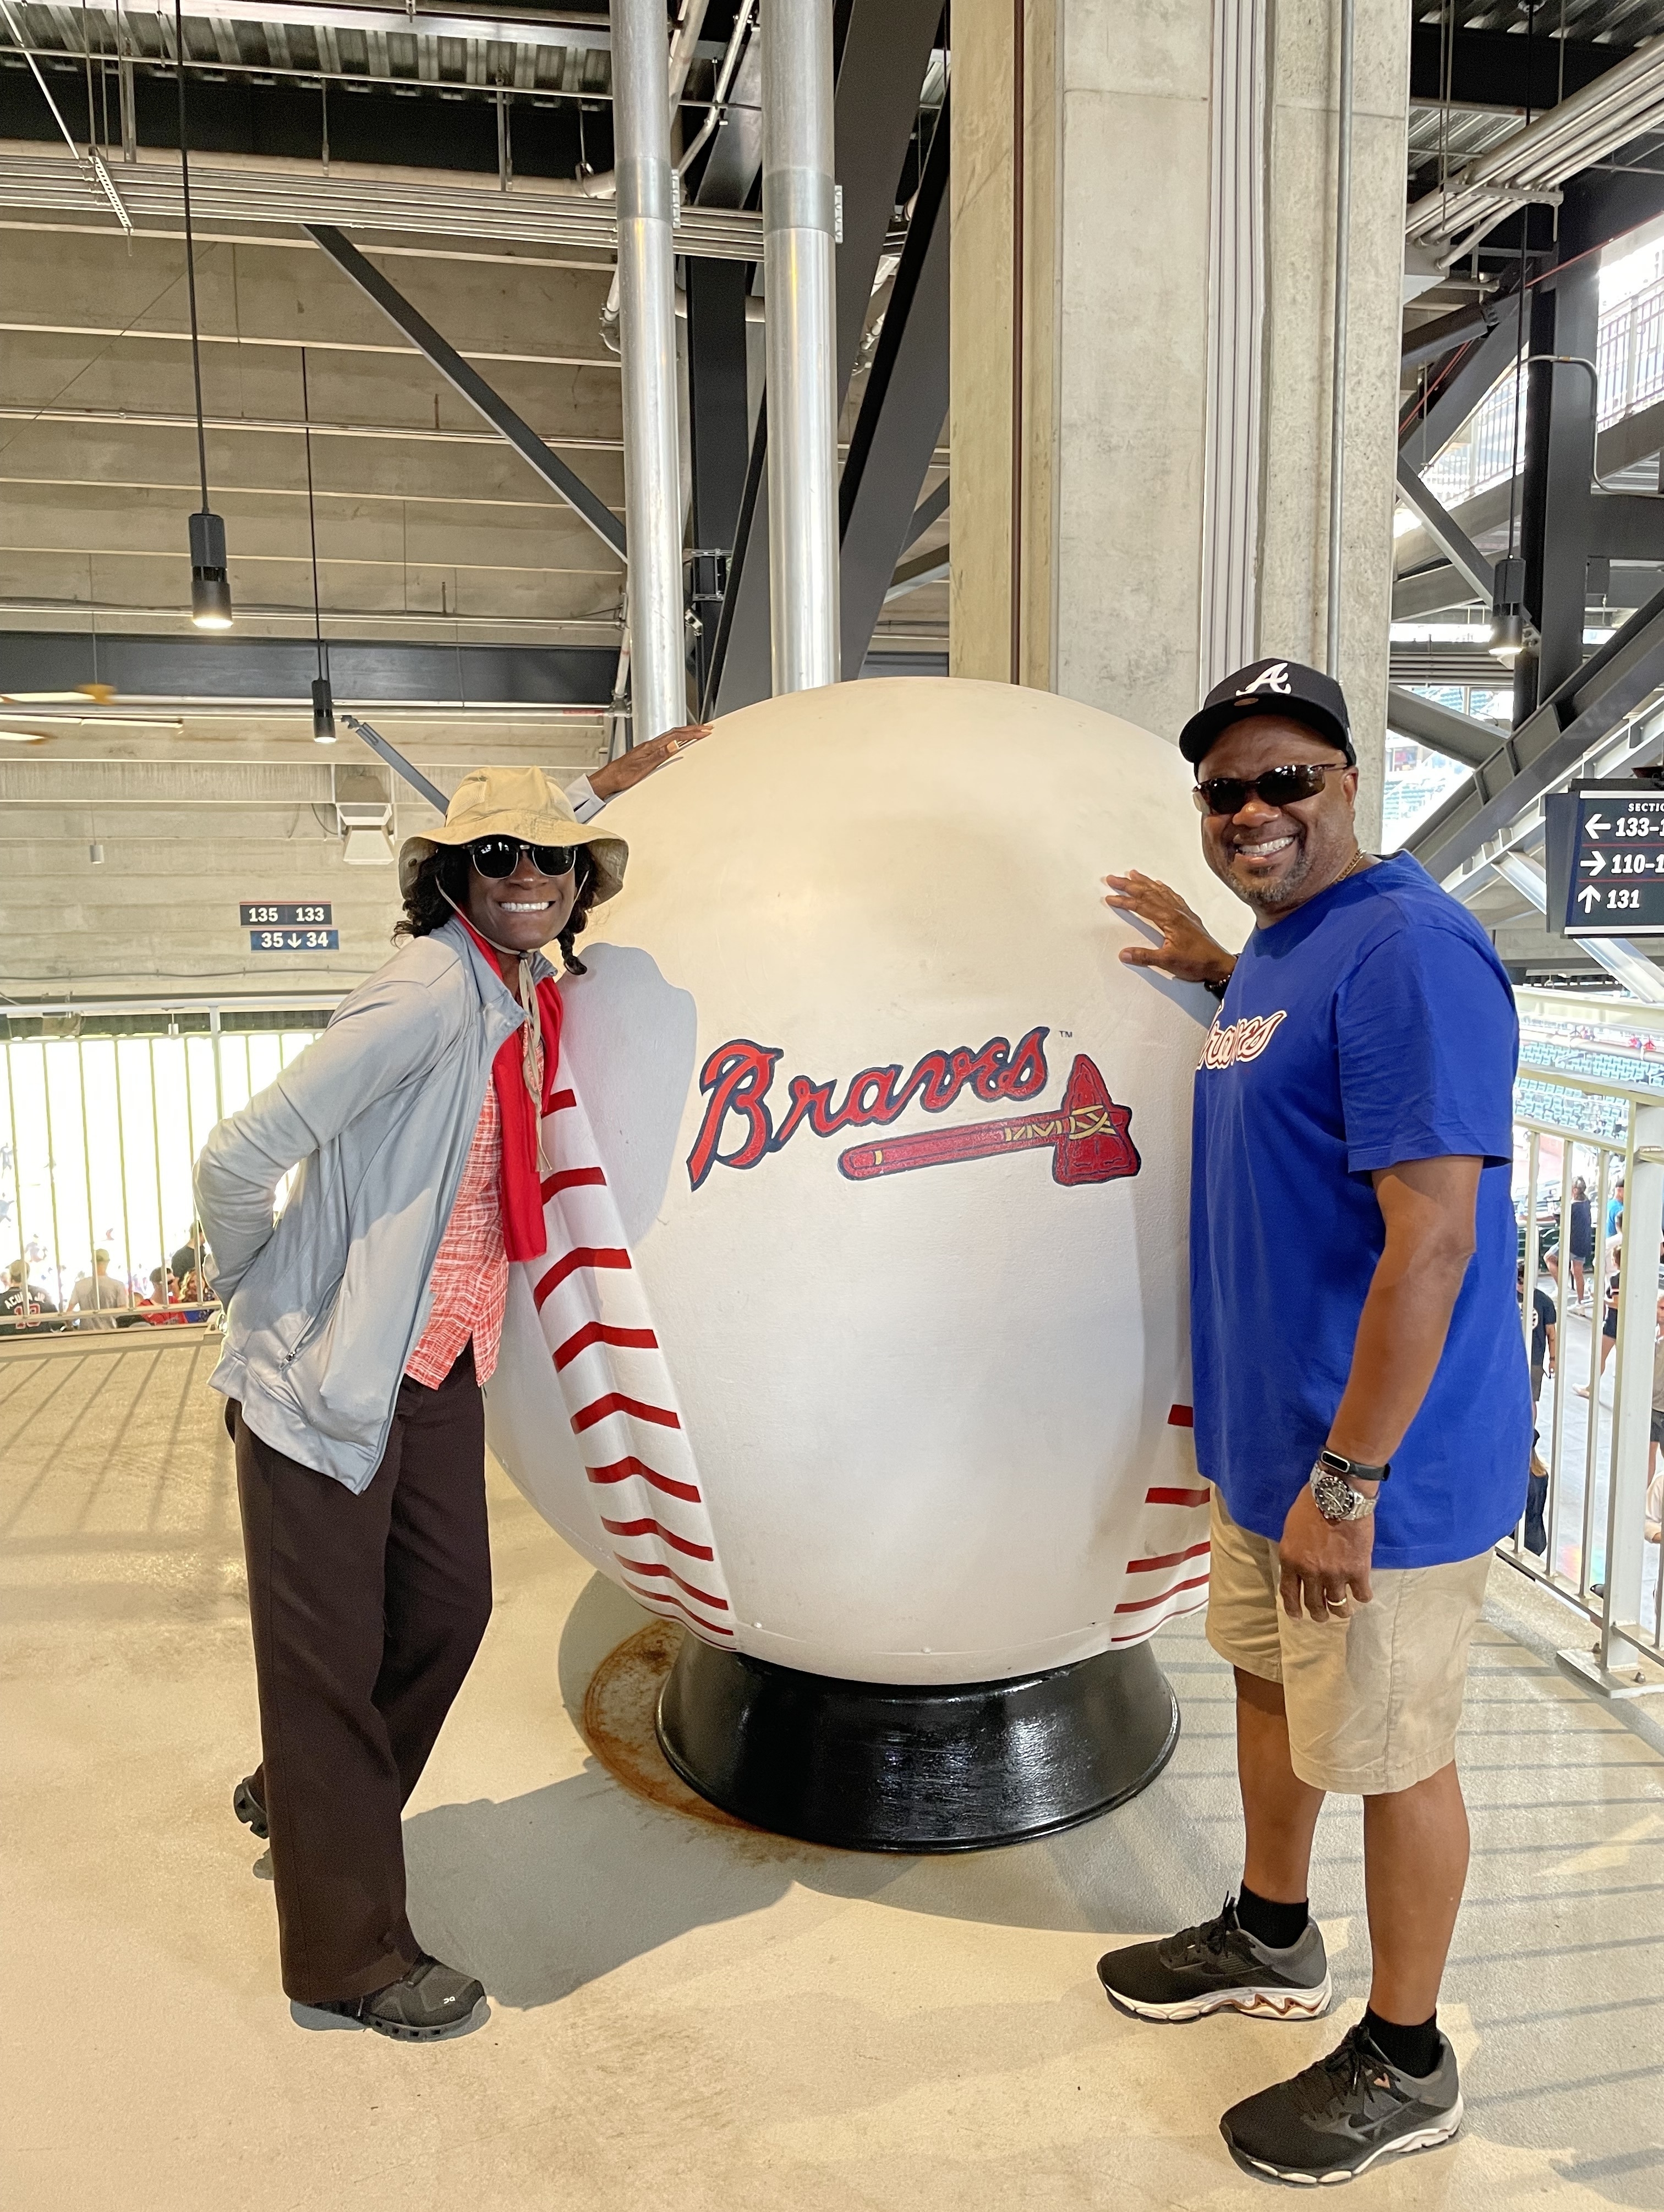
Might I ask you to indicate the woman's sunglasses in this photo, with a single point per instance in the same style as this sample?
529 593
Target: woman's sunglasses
1229 795
497 857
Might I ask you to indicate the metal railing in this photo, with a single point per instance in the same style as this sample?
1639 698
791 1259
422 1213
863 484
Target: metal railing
102 1113
1583 1534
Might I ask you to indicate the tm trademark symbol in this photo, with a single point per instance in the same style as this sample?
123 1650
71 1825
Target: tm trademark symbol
1068 1033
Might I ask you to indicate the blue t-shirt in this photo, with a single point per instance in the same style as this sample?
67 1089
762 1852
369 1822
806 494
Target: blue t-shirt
1372 1026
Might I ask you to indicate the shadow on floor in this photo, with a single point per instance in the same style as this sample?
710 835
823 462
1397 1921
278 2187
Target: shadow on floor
544 1893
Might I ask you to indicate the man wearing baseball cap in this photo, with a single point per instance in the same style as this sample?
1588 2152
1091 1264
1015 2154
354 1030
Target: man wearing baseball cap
1361 1401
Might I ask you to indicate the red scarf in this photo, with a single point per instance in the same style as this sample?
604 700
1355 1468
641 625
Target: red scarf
523 1235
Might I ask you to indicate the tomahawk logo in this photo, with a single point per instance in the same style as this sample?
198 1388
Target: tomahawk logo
1274 678
1089 1135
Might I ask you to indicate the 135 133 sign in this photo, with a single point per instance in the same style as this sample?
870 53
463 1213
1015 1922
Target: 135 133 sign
285 913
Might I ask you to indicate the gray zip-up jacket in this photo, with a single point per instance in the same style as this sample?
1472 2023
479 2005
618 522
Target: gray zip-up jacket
326 1303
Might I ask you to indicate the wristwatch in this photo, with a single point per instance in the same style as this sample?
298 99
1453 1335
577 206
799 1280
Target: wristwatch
1331 1485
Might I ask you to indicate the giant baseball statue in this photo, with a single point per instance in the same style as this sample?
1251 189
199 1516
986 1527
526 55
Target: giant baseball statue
860 1345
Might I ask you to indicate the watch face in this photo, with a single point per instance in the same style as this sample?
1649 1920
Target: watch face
1336 1499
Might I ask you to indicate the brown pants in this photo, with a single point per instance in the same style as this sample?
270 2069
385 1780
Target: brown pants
366 1612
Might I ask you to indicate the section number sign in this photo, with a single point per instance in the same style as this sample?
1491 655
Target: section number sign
285 913
294 940
1617 877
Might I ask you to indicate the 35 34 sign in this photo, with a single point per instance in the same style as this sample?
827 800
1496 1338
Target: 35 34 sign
1604 851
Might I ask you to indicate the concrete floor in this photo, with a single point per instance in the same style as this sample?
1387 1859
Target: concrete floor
691 2013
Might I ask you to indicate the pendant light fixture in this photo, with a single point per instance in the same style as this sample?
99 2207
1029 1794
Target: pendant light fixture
323 704
210 586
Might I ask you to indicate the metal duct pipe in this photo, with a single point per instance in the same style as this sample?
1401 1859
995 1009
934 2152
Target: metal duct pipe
1619 105
1342 308
652 501
799 235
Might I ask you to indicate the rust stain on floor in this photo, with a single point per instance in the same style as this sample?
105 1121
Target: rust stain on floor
617 1721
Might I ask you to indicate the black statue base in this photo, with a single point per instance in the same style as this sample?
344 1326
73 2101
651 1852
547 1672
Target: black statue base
875 1768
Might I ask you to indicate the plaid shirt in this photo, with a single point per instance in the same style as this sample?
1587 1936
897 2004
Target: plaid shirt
470 1277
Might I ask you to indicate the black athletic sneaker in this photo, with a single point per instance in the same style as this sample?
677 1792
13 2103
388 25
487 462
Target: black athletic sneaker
1219 1968
248 1808
431 2001
1339 2116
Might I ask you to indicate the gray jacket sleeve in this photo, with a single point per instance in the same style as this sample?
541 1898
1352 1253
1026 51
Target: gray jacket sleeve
387 1032
585 803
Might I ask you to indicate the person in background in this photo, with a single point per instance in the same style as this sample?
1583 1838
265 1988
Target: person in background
193 1257
1544 1334
163 1307
1609 1325
97 1294
1582 1226
1352 1318
20 1304
1615 1210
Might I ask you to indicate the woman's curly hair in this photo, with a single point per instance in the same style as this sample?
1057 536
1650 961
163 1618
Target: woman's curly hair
446 870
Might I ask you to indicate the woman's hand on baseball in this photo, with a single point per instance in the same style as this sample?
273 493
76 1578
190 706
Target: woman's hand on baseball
1325 1562
639 763
1186 952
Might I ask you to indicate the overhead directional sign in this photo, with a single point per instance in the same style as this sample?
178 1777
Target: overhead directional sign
1614 885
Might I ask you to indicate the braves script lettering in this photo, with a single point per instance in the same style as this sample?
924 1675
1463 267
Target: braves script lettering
739 1076
1243 1040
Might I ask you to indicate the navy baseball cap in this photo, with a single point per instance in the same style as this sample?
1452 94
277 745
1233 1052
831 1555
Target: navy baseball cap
1271 687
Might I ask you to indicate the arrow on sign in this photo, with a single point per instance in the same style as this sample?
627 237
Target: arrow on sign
1595 864
1595 823
1587 897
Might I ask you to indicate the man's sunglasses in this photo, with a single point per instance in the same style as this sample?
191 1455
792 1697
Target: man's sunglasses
1229 795
497 857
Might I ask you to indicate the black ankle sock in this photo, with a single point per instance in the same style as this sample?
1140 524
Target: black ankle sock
1413 2050
1275 1925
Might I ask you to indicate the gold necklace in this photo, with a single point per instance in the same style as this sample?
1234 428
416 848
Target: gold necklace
1358 860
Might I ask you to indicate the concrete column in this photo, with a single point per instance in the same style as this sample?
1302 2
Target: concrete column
647 303
1152 234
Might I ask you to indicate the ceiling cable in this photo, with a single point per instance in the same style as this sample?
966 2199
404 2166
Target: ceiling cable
323 703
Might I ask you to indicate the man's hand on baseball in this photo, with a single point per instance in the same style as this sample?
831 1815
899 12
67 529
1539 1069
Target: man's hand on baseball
1186 952
639 763
1324 1561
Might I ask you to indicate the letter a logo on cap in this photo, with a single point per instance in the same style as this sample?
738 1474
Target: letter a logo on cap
1274 678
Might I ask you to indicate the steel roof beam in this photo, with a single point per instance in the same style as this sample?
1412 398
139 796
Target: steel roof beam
1549 746
902 412
372 672
1448 534
472 385
1459 737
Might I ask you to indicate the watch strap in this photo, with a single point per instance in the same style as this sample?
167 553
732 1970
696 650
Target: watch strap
1354 1470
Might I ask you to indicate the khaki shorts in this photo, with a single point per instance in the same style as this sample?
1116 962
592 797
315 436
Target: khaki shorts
1375 1700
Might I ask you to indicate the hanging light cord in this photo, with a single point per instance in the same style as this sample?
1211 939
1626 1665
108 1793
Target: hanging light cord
190 249
312 518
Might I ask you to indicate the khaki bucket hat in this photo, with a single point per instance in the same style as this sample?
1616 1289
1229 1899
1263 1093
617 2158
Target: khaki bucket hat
517 802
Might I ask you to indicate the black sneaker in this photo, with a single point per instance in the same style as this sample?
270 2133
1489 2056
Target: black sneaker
1219 1968
248 1808
1339 2116
431 2001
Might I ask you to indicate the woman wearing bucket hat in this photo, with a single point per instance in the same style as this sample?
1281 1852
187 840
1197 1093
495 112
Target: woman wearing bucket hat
361 1323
